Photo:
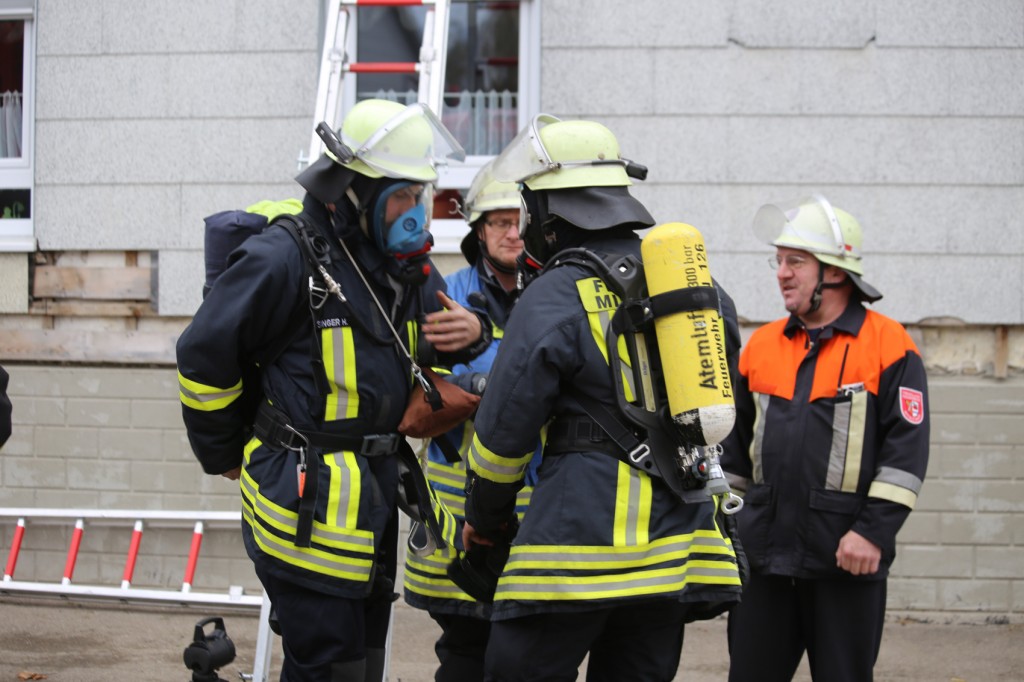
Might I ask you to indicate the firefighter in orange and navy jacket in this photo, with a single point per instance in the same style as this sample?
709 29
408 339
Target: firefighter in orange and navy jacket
323 538
831 447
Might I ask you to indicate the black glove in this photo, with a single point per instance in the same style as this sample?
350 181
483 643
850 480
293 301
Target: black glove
477 570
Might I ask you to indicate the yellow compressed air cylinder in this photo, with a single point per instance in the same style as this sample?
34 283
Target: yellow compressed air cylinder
691 344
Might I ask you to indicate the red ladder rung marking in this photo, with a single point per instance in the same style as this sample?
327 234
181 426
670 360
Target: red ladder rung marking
76 541
382 67
193 557
12 556
133 553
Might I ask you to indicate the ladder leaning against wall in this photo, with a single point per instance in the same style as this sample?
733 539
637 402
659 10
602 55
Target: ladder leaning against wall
335 92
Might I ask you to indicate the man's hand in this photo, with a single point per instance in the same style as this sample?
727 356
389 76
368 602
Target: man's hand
470 537
451 329
233 474
857 554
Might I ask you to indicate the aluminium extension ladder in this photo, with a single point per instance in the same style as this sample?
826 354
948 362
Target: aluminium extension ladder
77 519
334 92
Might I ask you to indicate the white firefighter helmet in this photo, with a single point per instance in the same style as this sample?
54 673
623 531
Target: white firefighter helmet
553 154
812 224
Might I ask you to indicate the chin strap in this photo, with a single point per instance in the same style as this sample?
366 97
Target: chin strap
822 285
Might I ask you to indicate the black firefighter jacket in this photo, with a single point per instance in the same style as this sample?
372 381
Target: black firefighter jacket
246 315
830 436
598 532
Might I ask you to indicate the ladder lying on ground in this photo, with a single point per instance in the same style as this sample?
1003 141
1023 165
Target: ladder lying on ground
138 520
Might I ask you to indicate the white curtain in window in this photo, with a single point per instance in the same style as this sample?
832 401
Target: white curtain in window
10 125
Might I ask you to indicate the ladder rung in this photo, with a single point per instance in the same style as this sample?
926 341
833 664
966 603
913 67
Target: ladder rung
383 67
387 3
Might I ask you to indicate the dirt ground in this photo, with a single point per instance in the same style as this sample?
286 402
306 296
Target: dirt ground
99 643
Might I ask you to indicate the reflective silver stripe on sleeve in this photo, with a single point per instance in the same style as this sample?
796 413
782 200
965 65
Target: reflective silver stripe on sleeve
761 401
903 479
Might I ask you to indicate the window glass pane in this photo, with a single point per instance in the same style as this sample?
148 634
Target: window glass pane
482 79
12 68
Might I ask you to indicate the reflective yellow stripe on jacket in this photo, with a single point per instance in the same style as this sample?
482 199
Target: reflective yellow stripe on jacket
493 467
338 549
206 398
664 566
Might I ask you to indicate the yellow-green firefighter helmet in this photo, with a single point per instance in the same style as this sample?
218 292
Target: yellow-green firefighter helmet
379 138
554 154
488 194
392 140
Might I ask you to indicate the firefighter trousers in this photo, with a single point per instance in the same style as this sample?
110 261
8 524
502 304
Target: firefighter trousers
639 642
460 648
837 622
328 638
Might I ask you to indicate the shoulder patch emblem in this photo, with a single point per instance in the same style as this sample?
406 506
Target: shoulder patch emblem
912 405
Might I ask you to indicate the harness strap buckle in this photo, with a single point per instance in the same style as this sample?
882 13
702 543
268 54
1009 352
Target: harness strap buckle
293 435
638 454
378 444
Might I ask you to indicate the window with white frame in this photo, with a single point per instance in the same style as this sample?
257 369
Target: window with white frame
491 84
17 54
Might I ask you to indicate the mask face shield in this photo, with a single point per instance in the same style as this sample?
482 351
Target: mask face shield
809 224
524 217
537 241
410 146
525 156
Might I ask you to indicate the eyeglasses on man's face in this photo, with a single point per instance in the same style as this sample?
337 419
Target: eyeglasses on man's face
793 261
503 225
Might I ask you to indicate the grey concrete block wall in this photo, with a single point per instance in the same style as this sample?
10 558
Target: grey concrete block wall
113 439
961 550
151 115
909 115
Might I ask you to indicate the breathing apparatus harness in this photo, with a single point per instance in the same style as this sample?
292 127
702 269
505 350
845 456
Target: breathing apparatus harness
642 436
273 426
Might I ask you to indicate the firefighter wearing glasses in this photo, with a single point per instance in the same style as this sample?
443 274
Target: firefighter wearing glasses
319 480
831 447
608 560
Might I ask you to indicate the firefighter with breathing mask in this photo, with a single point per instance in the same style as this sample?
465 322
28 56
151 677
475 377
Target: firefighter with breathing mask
319 479
608 560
